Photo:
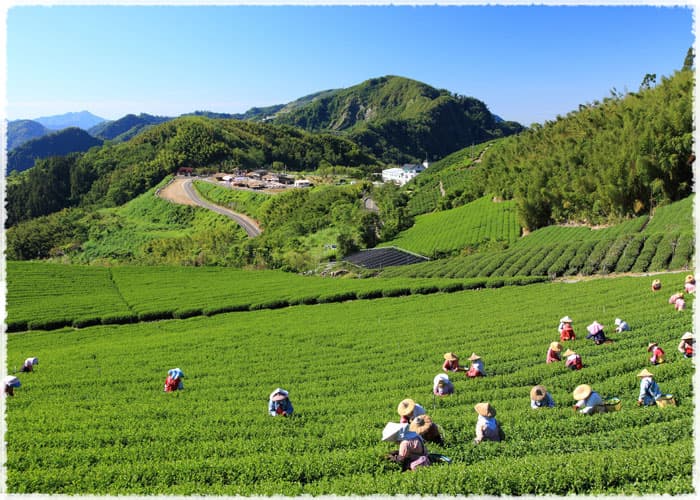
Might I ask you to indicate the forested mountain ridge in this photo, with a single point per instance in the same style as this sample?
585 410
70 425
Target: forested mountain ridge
125 127
63 142
21 131
398 119
116 173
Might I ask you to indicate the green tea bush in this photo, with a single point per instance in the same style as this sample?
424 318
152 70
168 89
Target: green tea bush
93 419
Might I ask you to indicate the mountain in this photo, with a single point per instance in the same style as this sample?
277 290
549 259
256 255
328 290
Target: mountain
398 119
21 131
126 127
69 140
83 120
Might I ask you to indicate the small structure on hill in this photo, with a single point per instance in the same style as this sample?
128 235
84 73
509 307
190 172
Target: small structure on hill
401 175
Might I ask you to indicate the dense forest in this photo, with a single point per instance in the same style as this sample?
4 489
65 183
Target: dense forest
398 119
606 161
63 142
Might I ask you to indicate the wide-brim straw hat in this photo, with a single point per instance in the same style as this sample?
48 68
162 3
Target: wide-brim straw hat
393 431
441 377
582 392
485 409
279 395
555 346
450 356
569 352
689 278
645 373
474 357
538 393
651 344
566 319
594 328
406 407
688 336
420 424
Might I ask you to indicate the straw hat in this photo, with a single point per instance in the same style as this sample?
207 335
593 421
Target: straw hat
538 393
393 431
687 336
450 356
474 357
420 424
485 410
566 319
279 395
555 346
689 278
618 321
651 344
582 392
569 352
645 373
441 379
595 327
406 407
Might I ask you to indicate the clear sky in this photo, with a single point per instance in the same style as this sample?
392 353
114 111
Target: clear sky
527 63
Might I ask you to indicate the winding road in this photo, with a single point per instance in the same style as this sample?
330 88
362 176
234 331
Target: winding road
182 191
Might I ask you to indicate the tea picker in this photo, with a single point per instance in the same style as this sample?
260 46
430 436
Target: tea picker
279 404
649 392
174 380
687 345
29 364
11 383
587 400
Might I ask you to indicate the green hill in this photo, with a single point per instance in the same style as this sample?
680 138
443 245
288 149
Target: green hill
61 143
608 160
117 173
21 131
398 119
126 127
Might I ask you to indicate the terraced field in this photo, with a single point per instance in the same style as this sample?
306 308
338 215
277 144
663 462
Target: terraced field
471 225
93 418
661 243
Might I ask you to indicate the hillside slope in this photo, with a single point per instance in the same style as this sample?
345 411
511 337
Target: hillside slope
21 131
61 143
398 119
126 127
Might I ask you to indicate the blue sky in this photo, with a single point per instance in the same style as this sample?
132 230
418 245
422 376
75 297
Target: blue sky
527 63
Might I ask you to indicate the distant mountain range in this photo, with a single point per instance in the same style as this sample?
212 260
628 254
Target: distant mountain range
395 119
82 119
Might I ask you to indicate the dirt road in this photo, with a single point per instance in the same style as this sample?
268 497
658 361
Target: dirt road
182 191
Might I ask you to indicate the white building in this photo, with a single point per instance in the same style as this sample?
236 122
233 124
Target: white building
401 175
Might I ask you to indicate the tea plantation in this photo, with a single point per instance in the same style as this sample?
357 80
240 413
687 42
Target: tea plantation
93 418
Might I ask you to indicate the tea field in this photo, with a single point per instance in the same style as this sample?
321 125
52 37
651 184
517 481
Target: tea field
661 243
448 231
47 296
93 418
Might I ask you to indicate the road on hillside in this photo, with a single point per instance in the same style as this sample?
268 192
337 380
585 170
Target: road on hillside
245 222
